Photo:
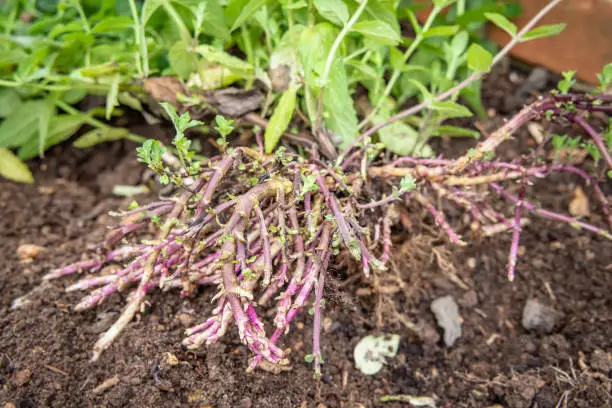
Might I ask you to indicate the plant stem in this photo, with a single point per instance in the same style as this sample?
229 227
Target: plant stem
396 73
184 32
143 59
332 54
95 122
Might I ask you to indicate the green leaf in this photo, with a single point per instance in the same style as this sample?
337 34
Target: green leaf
249 9
377 31
399 138
280 119
44 117
209 15
441 31
10 101
471 94
315 44
455 131
479 59
149 8
339 113
20 126
182 61
396 58
335 11
543 31
113 24
97 136
11 168
111 97
381 10
450 109
459 43
502 22
224 59
61 128
567 82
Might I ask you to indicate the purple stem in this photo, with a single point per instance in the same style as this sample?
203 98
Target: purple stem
552 215
316 333
516 234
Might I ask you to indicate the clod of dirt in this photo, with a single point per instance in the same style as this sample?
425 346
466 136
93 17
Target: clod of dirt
538 317
447 315
185 320
21 378
601 361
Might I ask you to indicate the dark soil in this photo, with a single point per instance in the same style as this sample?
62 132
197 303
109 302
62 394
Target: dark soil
45 348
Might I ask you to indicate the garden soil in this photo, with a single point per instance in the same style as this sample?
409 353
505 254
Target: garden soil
45 347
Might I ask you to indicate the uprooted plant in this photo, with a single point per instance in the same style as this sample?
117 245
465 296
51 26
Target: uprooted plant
261 224
262 228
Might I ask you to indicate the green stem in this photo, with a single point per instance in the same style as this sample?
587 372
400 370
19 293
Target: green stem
95 122
332 54
356 54
101 125
86 26
58 88
248 46
142 60
396 73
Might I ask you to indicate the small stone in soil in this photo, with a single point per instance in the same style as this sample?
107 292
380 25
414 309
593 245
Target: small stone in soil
538 317
447 315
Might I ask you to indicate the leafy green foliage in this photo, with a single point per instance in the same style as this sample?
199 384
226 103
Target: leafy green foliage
567 82
103 48
224 127
479 59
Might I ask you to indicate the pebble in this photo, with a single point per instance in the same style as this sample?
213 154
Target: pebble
447 315
538 317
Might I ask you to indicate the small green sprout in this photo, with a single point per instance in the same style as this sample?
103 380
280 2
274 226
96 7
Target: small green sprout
567 82
224 127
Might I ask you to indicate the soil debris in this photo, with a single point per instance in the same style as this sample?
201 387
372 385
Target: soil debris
29 252
447 315
106 384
